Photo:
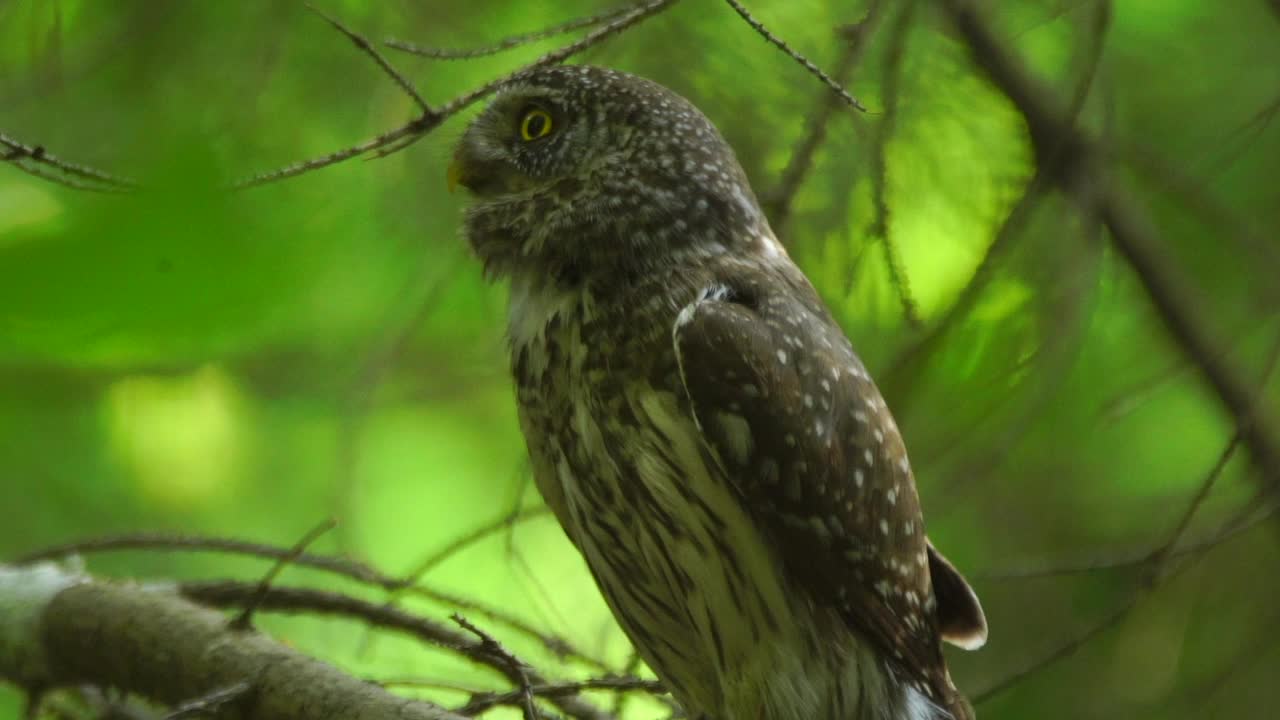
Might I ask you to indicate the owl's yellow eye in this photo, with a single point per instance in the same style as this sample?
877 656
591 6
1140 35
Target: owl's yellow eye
536 124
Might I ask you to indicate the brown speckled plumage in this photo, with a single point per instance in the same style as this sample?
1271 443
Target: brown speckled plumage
698 422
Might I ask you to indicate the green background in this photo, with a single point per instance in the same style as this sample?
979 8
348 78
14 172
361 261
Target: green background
186 359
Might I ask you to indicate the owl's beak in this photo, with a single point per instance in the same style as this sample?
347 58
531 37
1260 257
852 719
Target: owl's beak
472 172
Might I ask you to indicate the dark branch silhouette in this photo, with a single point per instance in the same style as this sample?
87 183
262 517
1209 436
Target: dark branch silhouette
1076 162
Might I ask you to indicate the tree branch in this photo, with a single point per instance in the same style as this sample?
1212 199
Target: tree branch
805 62
34 159
800 161
419 127
61 629
1077 167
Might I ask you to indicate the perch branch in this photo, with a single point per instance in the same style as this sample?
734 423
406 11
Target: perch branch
59 629
342 567
231 594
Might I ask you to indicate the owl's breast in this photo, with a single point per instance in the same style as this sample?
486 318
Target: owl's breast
676 553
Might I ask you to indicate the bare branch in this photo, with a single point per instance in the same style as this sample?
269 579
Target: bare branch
800 162
804 61
38 172
481 702
228 594
418 126
164 648
907 364
514 666
342 567
415 129
879 228
367 48
508 520
1159 568
1136 559
244 620
513 41
19 154
1058 143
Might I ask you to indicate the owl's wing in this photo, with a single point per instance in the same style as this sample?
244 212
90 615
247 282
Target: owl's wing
779 394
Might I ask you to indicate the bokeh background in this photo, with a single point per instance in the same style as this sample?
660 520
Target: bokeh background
247 364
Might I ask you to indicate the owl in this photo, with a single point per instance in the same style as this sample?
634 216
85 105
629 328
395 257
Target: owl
697 421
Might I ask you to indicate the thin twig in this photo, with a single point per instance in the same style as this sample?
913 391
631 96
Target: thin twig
413 577
779 43
405 135
342 567
904 368
510 42
801 159
515 665
39 172
226 594
1137 558
902 371
480 702
1055 137
18 152
420 298
418 126
244 620
633 665
367 48
508 520
879 228
1158 565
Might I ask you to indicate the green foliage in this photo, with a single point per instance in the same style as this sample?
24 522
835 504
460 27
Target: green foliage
246 364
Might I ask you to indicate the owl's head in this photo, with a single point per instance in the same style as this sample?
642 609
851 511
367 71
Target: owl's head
580 171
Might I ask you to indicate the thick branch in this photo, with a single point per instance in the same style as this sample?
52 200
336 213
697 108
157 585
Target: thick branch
58 629
305 600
